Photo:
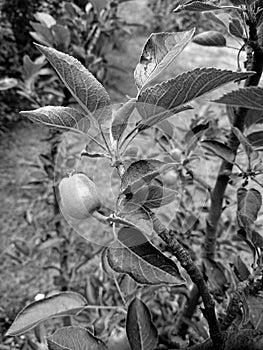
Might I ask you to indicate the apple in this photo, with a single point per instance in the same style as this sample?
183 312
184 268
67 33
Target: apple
79 197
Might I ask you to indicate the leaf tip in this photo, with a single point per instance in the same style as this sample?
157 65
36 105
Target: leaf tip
37 44
40 47
178 9
10 332
26 114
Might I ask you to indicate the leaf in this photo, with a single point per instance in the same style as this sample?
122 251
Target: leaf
246 237
253 117
41 39
197 6
210 38
7 83
121 118
212 17
134 255
74 338
169 97
248 97
61 35
141 331
45 19
61 118
248 205
257 239
240 269
99 5
128 287
219 149
84 87
60 304
166 128
153 196
157 115
216 275
72 9
43 32
140 173
244 142
137 216
159 52
193 136
235 28
256 139
31 68
255 305
138 170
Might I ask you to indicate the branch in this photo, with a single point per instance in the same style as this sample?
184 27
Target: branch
168 236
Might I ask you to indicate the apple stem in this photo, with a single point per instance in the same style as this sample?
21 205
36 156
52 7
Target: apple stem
100 217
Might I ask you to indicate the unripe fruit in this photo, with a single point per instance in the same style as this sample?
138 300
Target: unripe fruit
79 197
170 178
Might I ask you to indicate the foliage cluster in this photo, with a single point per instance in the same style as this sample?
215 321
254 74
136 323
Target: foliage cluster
88 32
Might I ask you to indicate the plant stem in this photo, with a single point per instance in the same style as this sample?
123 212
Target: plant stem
168 236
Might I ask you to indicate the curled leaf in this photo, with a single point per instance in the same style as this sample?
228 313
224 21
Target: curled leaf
159 52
